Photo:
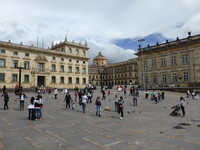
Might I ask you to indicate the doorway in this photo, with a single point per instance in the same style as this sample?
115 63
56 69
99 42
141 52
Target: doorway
41 81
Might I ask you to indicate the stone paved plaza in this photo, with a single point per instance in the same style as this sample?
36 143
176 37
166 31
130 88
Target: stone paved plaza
147 126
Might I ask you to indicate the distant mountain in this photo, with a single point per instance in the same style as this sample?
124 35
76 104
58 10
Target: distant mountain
133 43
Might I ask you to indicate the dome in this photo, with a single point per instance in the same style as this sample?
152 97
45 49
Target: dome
100 56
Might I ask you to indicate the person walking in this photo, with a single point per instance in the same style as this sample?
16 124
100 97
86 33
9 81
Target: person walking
6 99
55 93
84 101
163 95
182 104
134 101
103 94
75 95
121 106
90 95
67 100
98 106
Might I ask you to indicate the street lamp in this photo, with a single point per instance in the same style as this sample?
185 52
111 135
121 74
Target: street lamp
20 70
100 71
140 46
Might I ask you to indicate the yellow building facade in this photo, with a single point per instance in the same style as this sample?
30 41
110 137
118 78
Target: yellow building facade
64 65
170 64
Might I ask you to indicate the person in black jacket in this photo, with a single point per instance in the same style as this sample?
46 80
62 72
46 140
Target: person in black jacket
6 99
67 99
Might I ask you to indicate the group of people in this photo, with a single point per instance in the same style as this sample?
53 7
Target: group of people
154 96
193 94
35 108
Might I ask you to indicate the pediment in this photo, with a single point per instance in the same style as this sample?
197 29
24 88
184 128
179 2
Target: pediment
41 58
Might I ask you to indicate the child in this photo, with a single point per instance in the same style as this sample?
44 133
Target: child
73 104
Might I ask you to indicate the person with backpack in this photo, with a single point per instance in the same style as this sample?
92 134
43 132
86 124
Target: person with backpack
98 106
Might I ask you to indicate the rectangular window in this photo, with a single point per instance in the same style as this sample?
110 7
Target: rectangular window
62 80
62 69
77 69
41 67
2 62
3 51
62 59
154 79
70 69
84 70
146 79
83 62
14 77
164 78
185 59
185 77
70 80
26 78
53 58
27 54
153 63
70 60
77 51
84 80
145 64
77 80
15 53
2 76
53 67
27 65
163 62
15 63
53 79
173 60
77 61
174 78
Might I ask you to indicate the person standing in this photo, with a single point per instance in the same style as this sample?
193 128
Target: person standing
40 102
6 99
21 101
55 93
67 100
121 107
182 103
75 95
146 94
98 106
103 94
90 95
84 101
31 109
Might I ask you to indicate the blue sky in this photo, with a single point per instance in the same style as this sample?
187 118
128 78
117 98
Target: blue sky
110 26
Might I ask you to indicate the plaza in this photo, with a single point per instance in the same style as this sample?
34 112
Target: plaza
147 126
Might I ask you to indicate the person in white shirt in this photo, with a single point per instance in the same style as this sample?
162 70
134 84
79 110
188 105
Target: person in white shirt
182 104
84 101
56 93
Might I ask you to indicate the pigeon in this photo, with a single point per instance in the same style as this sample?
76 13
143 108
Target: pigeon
128 112
140 112
133 111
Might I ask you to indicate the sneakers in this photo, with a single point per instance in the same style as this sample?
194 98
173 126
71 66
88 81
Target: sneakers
121 117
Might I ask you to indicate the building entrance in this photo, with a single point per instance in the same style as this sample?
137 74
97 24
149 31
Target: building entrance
41 81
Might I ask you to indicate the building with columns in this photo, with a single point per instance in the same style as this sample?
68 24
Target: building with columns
121 73
174 63
64 65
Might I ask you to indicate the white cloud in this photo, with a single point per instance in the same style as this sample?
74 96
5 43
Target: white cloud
99 21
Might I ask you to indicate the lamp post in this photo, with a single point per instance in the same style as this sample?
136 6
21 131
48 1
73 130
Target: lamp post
113 76
20 70
101 77
140 46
